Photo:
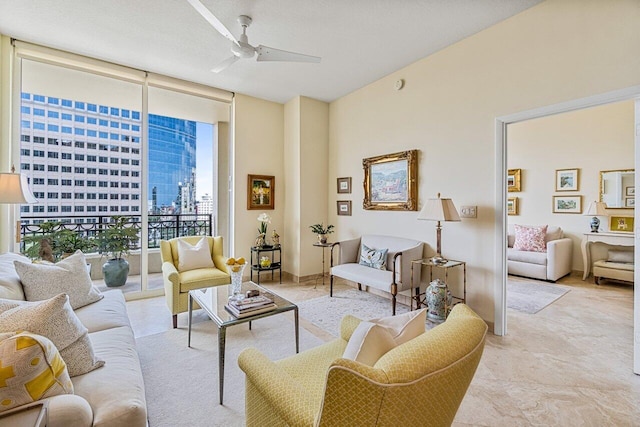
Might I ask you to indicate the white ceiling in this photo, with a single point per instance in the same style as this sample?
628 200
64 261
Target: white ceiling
359 41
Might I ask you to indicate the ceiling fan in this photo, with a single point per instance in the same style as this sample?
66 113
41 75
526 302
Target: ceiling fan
241 47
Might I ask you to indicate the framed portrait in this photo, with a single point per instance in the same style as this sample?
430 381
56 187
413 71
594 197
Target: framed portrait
513 180
512 206
622 224
344 185
567 204
344 207
630 202
260 191
630 191
567 179
391 182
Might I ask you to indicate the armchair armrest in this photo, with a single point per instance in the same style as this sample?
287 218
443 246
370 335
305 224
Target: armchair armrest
559 258
287 397
348 324
404 271
220 261
348 251
171 280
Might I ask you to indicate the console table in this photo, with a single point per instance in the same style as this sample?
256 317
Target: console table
619 239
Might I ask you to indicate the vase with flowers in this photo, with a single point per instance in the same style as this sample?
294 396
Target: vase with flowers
264 220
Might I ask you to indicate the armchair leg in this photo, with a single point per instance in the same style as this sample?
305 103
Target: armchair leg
175 321
394 292
331 285
359 286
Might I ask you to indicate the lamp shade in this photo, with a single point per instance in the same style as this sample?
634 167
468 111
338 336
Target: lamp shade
439 210
596 209
14 188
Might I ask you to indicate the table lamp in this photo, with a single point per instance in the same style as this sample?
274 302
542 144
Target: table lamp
596 209
439 210
14 189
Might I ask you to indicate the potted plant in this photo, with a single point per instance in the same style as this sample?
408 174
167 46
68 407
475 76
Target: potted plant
321 231
115 242
55 242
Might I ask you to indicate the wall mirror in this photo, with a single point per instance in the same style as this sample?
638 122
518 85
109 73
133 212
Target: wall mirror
617 189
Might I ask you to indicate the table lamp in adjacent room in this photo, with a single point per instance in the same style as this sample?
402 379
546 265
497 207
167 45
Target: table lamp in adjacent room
439 210
596 209
14 189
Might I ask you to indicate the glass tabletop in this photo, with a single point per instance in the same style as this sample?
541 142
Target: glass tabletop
213 300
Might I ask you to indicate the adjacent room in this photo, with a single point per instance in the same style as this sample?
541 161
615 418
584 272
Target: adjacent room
418 213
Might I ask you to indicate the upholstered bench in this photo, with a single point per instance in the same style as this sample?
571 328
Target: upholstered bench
618 266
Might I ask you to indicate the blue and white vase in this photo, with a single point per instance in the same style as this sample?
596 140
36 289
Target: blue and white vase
438 298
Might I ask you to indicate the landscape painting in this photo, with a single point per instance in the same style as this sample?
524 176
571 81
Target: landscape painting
391 181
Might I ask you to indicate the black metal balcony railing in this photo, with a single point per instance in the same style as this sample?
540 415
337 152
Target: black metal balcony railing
160 227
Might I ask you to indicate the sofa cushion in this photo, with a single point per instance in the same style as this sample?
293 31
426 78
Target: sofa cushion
10 286
553 233
625 257
32 370
380 279
374 258
109 312
201 278
54 319
70 276
530 238
195 256
613 265
539 258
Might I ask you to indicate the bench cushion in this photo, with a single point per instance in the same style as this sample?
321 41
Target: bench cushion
613 265
380 279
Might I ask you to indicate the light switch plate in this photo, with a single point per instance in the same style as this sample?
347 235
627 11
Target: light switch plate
468 212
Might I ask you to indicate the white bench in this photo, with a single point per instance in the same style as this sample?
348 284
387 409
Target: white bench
397 275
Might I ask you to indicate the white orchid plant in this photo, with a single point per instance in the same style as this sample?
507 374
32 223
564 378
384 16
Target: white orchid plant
264 219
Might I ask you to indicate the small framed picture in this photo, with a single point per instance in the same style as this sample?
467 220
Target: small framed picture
513 180
622 224
630 202
344 207
344 185
567 204
512 206
260 192
567 179
630 191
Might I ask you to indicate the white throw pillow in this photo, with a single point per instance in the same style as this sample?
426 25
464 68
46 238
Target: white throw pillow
54 319
374 338
10 286
69 276
195 256
625 257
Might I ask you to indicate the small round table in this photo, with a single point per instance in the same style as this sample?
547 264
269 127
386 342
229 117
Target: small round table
321 245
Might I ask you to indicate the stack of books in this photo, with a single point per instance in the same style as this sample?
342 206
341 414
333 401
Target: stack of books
250 306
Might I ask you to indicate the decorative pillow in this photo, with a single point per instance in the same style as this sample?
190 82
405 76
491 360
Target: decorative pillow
372 339
10 286
625 257
32 370
195 256
375 258
54 319
530 238
69 276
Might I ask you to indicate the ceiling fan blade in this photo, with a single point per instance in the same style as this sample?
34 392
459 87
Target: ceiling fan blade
224 64
266 53
210 17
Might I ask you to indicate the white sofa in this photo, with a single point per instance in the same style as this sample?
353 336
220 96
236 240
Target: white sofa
396 277
550 265
110 396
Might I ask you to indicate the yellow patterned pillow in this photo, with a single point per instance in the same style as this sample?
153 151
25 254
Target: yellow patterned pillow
30 369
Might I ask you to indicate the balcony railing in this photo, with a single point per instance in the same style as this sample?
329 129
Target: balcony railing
160 227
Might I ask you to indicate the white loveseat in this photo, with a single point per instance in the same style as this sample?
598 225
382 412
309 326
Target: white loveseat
110 396
397 275
550 265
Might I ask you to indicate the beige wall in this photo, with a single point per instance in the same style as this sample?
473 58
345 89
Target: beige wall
259 150
591 140
291 256
554 52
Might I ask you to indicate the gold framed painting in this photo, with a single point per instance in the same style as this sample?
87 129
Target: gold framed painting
567 179
260 192
514 180
621 224
391 181
567 204
512 206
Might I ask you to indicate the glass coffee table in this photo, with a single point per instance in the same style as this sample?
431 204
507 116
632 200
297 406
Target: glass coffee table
212 301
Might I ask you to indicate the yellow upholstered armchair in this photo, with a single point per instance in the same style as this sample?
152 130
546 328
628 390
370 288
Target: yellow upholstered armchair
419 383
177 283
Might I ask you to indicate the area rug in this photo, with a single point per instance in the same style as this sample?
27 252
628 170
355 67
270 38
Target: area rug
532 296
182 383
326 312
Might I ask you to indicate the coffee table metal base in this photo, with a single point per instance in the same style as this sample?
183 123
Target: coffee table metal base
222 330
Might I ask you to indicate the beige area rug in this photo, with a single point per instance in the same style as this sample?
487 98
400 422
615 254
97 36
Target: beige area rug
531 296
182 383
326 312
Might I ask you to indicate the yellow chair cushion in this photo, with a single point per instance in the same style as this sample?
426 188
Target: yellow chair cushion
201 278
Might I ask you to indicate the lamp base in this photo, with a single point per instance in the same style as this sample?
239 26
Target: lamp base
595 224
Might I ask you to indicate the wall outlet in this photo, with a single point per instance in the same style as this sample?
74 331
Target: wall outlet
468 212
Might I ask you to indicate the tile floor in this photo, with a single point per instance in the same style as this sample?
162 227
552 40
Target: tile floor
568 365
